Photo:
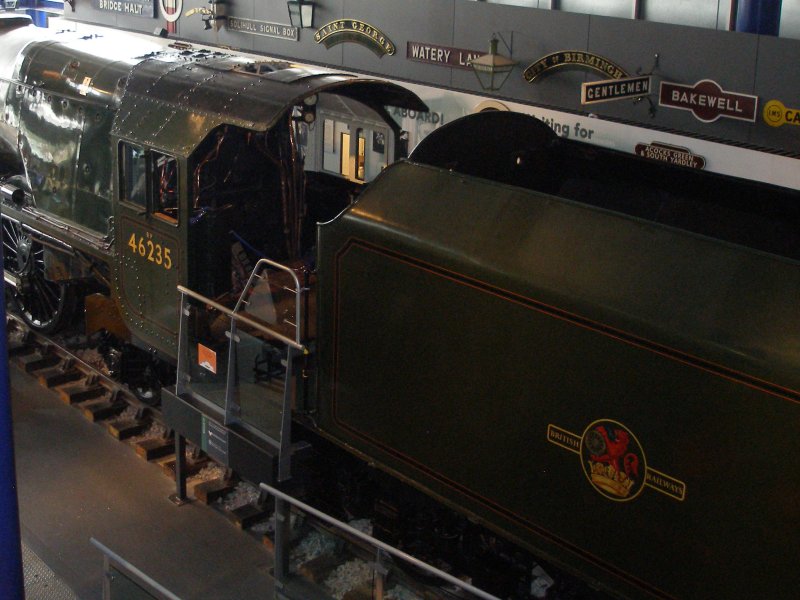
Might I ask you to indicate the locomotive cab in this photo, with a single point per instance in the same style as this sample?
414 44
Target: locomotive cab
222 203
128 170
239 168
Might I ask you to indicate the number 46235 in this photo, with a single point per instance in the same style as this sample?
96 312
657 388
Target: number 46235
146 248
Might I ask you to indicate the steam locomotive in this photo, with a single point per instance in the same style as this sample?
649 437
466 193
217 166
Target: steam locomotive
593 356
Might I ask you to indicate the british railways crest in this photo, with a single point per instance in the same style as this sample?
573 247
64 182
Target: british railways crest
614 462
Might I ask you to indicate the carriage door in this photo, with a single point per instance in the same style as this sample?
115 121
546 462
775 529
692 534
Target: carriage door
149 234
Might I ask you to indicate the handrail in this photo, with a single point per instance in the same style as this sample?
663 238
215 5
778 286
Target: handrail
377 543
295 291
129 569
239 317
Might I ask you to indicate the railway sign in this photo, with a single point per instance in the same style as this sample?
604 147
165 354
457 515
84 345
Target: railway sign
675 155
457 58
607 90
776 114
134 8
265 28
358 32
573 59
708 101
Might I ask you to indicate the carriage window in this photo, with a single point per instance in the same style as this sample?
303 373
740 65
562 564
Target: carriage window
357 153
150 180
360 154
344 169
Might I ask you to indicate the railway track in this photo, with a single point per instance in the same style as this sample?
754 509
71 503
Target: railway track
330 564
70 370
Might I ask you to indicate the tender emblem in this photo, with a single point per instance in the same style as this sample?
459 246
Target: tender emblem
614 461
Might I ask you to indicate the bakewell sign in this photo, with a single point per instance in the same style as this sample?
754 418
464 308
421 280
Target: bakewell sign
708 101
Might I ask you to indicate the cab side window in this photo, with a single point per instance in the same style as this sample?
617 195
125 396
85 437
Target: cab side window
134 175
165 192
149 179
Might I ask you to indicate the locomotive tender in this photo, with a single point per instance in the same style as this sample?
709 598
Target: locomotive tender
593 355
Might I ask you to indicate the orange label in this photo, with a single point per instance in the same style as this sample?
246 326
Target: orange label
207 358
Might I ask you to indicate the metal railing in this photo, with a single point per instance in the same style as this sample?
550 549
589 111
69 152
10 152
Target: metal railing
256 275
283 536
114 565
277 434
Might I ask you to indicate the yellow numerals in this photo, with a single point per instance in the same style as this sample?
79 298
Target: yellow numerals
152 251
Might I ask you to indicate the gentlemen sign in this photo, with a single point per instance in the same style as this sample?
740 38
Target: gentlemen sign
135 8
353 30
708 101
458 58
615 89
265 28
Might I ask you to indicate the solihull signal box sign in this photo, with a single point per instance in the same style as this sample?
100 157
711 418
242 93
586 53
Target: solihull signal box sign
267 29
708 101
614 89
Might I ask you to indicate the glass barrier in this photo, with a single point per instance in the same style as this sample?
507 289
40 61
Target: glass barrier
318 557
206 348
260 381
124 581
238 361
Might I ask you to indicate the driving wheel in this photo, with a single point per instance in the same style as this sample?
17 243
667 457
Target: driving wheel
45 305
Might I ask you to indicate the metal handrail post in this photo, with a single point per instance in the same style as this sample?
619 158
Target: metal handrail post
183 346
285 452
258 326
232 408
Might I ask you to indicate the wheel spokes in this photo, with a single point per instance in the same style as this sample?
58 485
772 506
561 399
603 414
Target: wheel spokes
42 302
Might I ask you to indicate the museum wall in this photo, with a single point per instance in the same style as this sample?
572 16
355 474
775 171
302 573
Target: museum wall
421 34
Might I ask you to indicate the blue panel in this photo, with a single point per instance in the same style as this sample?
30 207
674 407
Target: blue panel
39 17
11 582
759 16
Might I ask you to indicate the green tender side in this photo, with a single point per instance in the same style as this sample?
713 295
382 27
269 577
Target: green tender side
475 338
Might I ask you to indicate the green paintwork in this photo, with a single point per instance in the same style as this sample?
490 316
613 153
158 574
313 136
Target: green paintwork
64 105
70 102
449 353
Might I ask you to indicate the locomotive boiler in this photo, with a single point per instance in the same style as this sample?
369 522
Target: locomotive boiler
592 356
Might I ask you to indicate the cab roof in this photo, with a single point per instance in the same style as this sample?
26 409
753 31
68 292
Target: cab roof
172 100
